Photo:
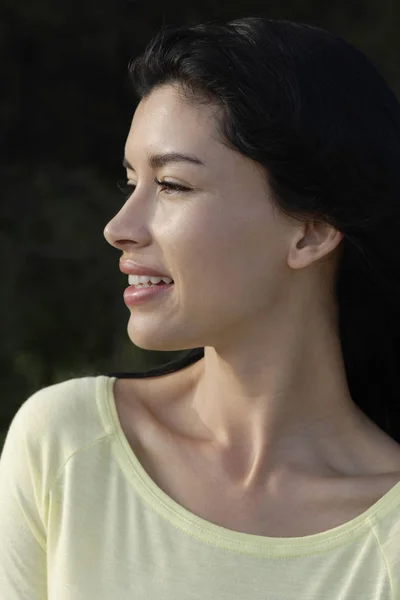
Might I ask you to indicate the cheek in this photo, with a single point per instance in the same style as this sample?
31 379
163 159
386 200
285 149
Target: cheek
208 241
225 255
221 245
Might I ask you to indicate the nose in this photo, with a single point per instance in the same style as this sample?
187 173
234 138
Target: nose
127 227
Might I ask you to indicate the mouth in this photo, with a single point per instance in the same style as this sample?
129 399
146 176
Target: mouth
141 281
144 291
139 286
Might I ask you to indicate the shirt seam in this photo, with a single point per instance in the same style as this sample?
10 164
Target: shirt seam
77 451
168 512
41 540
385 560
158 505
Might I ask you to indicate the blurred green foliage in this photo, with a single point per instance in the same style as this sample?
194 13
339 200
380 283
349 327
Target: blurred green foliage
66 108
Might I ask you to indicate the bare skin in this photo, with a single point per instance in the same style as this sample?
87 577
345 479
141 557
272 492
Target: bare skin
295 500
261 435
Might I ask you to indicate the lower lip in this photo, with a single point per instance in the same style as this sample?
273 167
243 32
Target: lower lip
133 295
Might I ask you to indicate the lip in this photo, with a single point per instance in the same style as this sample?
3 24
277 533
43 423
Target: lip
129 267
133 295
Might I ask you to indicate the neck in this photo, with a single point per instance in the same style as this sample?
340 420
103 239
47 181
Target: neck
278 395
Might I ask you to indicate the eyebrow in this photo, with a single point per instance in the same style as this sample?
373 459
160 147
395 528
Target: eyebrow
157 161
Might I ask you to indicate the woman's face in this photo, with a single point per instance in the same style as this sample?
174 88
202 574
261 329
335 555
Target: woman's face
223 242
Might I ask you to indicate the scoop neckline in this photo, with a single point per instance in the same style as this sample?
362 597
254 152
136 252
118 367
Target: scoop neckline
197 527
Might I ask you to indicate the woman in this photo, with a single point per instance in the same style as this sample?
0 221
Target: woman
262 167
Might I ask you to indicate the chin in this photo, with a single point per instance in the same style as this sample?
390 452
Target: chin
164 340
153 340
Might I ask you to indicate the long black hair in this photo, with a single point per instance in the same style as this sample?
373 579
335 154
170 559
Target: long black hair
318 116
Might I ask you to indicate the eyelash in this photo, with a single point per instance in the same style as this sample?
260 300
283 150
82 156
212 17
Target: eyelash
129 188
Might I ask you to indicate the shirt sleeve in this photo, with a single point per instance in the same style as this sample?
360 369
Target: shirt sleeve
22 531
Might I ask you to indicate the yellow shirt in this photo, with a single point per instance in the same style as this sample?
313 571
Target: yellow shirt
80 519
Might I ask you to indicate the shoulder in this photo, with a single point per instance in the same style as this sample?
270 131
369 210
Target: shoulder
49 407
56 421
51 426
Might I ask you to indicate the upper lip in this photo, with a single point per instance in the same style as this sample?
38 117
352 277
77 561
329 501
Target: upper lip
129 267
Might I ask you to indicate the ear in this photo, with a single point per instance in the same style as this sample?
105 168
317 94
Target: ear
312 241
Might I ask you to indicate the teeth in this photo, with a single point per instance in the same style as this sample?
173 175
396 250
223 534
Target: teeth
146 280
143 285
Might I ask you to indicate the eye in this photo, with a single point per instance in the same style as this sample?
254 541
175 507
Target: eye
128 188
172 187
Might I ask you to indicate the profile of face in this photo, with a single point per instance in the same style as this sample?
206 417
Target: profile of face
231 253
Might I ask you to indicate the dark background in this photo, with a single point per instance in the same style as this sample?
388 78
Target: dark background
66 106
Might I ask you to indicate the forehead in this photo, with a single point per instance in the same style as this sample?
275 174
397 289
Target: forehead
166 118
